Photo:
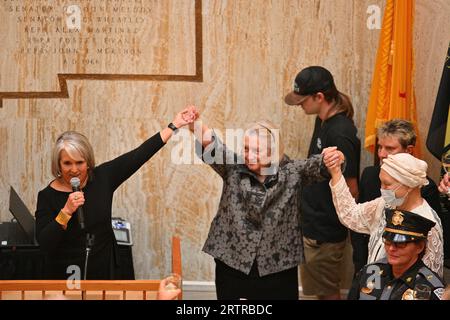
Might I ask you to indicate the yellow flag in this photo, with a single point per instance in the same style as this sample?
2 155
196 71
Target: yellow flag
392 91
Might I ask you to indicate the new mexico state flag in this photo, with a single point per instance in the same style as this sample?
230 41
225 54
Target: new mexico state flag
392 92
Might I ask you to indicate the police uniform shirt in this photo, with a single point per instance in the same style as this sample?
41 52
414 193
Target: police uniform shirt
376 282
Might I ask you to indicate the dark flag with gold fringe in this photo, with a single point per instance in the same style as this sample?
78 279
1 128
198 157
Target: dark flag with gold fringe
439 132
438 140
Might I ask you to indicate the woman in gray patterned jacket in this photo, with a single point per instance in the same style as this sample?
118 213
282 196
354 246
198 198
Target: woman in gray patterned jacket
255 237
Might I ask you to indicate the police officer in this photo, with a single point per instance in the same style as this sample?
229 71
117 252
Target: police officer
398 276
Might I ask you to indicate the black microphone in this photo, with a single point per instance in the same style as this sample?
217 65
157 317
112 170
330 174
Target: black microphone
75 182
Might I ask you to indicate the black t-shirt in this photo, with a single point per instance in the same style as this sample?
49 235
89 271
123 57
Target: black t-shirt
319 218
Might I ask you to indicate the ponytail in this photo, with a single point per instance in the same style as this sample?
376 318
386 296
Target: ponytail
344 104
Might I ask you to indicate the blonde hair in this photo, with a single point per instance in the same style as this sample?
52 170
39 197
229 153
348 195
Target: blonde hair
266 129
77 146
401 129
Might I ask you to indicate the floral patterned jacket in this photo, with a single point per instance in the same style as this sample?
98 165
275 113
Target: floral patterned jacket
260 220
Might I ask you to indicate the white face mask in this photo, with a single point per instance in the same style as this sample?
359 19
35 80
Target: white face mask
391 200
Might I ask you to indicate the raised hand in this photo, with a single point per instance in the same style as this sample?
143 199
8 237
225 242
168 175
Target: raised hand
333 159
183 118
187 116
191 115
444 185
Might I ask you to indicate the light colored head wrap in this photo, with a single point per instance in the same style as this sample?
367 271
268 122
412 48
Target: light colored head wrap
406 169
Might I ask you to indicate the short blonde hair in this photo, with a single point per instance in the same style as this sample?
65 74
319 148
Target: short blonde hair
265 128
76 145
401 129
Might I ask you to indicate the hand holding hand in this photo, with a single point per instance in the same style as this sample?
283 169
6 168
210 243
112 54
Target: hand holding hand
192 115
187 116
181 119
333 159
75 200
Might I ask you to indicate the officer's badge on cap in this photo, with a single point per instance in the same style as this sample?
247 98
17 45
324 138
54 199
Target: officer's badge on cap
397 218
404 226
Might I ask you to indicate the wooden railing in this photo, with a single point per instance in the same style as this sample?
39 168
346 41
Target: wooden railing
88 289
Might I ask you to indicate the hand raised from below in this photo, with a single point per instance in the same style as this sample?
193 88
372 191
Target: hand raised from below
333 159
444 185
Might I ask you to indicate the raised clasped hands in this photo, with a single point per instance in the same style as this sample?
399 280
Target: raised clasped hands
191 115
186 117
333 159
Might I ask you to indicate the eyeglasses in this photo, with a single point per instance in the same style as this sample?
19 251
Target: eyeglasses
398 245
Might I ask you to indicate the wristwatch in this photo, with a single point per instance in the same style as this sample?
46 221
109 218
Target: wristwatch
173 127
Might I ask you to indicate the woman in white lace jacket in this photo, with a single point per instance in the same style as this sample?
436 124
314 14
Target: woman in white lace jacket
402 176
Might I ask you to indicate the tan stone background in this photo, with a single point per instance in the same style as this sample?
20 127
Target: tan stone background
252 51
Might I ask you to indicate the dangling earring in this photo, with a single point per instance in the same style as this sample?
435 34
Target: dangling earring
58 174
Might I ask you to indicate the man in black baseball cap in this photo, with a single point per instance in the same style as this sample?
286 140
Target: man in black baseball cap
402 274
309 81
324 236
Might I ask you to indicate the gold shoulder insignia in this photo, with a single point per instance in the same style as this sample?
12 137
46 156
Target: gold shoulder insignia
408 279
